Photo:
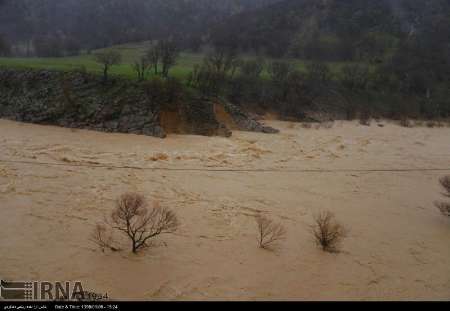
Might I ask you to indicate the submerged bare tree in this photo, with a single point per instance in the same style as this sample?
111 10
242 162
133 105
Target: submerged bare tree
140 224
444 207
270 234
328 233
445 183
103 238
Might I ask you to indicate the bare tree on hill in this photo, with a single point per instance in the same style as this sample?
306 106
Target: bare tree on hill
108 59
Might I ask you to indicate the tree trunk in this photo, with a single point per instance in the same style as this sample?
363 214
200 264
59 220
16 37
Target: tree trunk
105 74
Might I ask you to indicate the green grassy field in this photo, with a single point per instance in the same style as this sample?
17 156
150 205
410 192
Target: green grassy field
130 53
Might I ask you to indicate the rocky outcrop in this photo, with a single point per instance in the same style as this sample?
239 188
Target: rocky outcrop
77 100
80 100
245 122
200 116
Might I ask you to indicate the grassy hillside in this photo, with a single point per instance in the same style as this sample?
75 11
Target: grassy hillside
130 52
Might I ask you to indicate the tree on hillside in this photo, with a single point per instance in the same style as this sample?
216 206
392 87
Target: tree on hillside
5 48
108 59
252 68
247 86
224 60
48 46
142 67
354 83
162 56
419 70
71 46
169 53
218 67
153 56
279 71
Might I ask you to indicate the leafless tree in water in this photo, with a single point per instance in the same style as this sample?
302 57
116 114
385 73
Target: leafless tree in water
444 207
328 233
270 234
139 223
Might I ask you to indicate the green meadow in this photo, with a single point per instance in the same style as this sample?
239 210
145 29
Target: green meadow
130 53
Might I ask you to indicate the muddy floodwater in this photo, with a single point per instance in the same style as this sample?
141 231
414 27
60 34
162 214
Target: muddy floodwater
371 178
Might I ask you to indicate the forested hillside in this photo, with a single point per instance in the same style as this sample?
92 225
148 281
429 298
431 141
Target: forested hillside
335 29
71 25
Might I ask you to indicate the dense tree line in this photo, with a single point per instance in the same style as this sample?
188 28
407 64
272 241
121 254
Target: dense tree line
407 86
361 30
399 49
5 48
71 25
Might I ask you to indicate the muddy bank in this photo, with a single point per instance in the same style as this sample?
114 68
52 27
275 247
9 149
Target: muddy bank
81 100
